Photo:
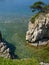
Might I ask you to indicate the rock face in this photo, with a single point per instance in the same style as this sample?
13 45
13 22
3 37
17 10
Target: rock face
38 30
42 63
4 50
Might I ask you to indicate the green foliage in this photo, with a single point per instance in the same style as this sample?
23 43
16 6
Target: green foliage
39 6
30 61
42 53
46 9
33 17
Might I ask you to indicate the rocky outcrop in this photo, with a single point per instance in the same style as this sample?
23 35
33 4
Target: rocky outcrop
42 63
4 50
39 30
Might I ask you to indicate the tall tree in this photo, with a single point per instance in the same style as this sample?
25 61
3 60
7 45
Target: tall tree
39 6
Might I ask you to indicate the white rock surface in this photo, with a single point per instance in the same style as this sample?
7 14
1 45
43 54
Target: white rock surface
4 50
39 29
42 63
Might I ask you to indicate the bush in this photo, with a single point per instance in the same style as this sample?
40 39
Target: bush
34 17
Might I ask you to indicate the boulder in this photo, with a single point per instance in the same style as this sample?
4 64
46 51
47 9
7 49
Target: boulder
4 50
42 63
38 30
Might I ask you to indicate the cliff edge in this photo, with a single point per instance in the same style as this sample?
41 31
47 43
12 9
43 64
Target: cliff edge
38 32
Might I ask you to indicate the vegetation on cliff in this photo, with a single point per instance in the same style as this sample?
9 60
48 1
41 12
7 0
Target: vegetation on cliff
39 7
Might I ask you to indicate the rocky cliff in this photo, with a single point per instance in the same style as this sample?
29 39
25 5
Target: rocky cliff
38 32
4 49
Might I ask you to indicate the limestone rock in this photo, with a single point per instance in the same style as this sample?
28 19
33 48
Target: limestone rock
42 63
4 50
39 29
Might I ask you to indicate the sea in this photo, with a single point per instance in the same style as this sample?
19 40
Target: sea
14 18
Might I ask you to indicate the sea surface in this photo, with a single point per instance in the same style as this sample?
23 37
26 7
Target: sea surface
15 7
14 18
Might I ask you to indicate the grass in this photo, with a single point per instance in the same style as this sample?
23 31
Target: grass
30 61
41 53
